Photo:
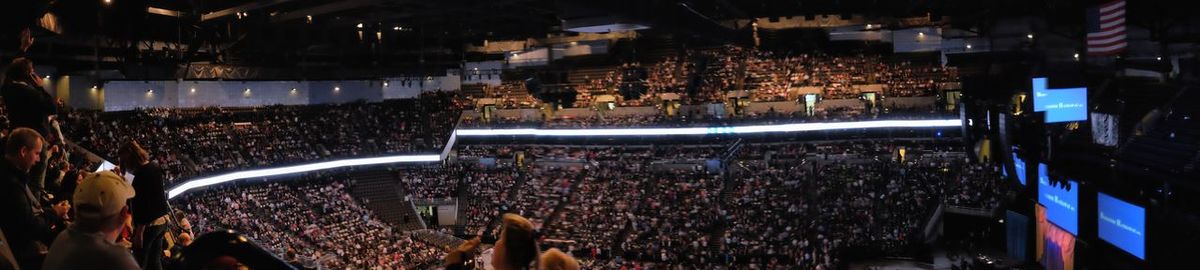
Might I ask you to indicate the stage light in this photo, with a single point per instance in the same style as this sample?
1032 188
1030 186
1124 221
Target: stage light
360 26
1029 36
397 28
968 46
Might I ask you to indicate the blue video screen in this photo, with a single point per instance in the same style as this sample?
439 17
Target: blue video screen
1060 105
1122 224
1040 92
1066 105
1061 203
1019 168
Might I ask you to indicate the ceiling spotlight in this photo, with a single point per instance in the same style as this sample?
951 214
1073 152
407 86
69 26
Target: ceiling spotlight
149 91
1029 36
397 28
1158 58
385 83
336 88
360 26
968 46
107 1
247 90
193 89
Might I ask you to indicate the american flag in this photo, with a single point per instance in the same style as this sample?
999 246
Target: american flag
1106 29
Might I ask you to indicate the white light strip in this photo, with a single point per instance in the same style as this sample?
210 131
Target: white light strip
710 130
208 181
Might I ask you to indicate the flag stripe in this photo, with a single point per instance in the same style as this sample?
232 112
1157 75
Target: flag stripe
1109 32
1110 16
1108 24
1106 29
1113 39
1111 6
1109 48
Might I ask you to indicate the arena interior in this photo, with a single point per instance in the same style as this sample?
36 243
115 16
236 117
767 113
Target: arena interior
584 134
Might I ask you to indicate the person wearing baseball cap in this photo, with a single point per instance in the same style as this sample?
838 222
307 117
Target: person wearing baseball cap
91 242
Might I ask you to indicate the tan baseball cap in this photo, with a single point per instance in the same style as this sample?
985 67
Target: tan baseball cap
103 191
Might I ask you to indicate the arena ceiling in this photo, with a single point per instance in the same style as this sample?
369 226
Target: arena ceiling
403 34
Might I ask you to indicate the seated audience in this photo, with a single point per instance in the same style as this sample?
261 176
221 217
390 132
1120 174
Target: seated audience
91 242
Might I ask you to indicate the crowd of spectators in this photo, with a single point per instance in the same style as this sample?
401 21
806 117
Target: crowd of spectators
769 76
704 75
312 222
620 207
192 142
794 205
702 119
511 95
667 76
847 199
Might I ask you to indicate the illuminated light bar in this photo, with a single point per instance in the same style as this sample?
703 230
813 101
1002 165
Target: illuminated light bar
711 130
208 181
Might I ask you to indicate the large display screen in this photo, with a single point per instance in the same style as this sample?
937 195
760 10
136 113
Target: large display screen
1061 202
1122 224
1040 89
1060 105
1019 168
1067 105
1055 246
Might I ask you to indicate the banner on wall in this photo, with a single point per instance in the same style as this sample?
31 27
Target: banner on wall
1055 246
1104 129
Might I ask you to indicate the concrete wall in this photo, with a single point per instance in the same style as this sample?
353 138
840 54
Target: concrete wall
129 95
534 57
485 72
920 39
778 106
910 102
235 94
79 92
337 92
580 48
